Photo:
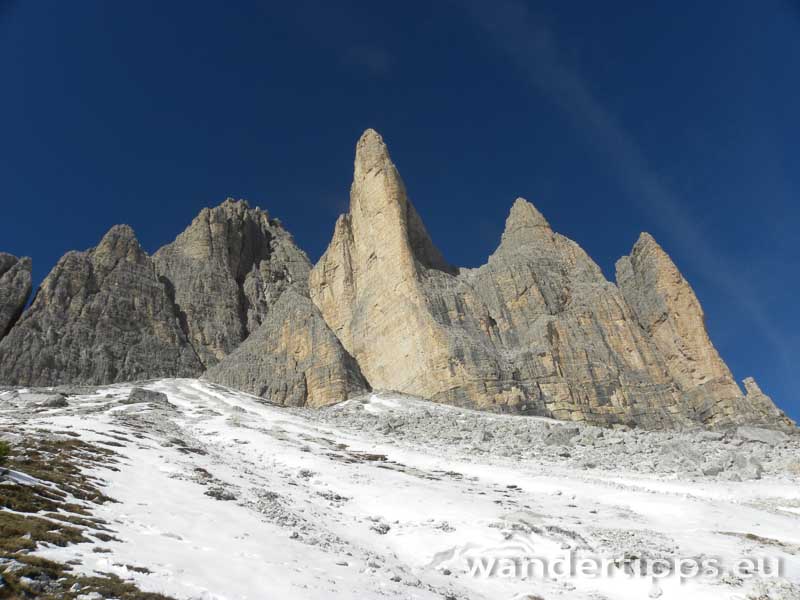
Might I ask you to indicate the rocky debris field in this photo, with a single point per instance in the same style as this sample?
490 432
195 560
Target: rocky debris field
731 454
182 489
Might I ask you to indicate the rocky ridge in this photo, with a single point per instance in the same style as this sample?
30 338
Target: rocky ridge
537 330
99 316
225 271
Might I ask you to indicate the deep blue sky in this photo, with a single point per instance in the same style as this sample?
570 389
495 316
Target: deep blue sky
681 119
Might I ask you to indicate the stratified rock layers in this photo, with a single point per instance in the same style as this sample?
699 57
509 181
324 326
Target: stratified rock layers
15 288
293 359
225 271
538 329
100 316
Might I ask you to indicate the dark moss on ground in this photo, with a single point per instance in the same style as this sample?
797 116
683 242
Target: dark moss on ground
31 577
43 516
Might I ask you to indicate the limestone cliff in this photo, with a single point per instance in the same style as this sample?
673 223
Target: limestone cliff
100 316
537 329
669 312
225 271
293 359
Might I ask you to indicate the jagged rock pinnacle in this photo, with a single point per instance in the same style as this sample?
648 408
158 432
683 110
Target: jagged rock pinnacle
100 316
524 215
371 152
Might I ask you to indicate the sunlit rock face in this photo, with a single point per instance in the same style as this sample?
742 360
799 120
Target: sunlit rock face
537 329
669 312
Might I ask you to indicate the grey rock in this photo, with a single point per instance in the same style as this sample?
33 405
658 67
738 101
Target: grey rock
100 316
15 288
682 450
219 493
292 359
560 436
746 466
537 330
141 396
759 408
54 401
713 469
669 312
771 437
225 271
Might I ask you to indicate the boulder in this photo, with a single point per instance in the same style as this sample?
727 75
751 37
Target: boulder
54 401
560 436
142 396
771 437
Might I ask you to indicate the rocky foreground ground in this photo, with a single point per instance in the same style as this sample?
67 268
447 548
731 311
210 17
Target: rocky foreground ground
181 489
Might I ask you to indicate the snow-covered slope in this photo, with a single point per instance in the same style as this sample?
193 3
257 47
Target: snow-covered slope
220 495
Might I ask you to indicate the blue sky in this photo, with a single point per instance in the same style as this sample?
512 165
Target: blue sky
676 118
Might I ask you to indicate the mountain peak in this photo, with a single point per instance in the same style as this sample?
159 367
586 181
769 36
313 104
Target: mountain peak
120 232
119 242
524 219
371 152
646 241
523 214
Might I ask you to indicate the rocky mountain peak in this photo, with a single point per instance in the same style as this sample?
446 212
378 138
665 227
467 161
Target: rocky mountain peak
100 316
524 215
384 224
645 240
668 310
7 261
371 153
524 221
225 270
119 243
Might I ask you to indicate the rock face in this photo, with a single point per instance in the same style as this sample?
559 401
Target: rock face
100 316
15 288
538 329
669 312
293 359
667 309
225 271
